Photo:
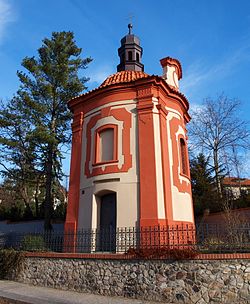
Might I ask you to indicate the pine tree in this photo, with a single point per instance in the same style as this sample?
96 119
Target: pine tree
203 185
17 155
49 82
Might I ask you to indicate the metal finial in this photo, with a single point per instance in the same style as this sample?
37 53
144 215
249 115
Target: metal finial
130 28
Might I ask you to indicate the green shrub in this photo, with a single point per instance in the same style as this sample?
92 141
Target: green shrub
10 260
33 243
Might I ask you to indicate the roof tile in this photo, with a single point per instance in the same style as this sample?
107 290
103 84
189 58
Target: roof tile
123 76
234 181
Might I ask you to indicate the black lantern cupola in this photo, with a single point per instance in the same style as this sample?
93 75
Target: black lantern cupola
130 53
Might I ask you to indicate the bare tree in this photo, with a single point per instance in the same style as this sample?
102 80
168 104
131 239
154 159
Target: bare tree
217 129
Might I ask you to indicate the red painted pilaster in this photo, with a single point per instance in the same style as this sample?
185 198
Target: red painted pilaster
148 190
75 173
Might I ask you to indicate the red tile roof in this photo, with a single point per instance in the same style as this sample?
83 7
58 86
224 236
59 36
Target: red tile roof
130 76
122 77
234 181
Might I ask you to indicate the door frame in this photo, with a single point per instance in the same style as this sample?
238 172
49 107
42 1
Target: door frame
99 246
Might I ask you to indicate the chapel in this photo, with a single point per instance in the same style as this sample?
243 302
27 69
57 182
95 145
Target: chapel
129 161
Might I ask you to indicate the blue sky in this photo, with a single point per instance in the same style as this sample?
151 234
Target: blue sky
210 38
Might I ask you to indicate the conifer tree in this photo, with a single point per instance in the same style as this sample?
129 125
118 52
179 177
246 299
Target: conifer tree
49 82
17 154
203 185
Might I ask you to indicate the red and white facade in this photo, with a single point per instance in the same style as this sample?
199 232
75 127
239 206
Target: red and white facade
130 138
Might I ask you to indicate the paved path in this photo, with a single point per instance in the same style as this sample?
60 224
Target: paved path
26 294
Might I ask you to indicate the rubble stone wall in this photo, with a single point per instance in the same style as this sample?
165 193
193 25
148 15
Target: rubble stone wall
196 281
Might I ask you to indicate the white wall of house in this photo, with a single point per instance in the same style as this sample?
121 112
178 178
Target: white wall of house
125 184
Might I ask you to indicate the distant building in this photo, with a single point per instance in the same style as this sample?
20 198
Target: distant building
235 187
129 161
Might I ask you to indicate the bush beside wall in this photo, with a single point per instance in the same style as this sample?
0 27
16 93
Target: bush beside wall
10 261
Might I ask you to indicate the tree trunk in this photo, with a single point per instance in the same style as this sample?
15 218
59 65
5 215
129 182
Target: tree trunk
216 170
36 197
48 190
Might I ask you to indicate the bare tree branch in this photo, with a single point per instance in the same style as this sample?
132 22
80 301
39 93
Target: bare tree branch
218 130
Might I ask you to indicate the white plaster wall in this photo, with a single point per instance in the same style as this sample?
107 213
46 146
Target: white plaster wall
127 209
181 202
170 76
182 206
127 186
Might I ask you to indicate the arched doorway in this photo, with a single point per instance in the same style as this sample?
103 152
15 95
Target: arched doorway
108 222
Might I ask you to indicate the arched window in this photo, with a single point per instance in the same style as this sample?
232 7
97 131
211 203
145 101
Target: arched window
183 151
137 57
130 55
106 144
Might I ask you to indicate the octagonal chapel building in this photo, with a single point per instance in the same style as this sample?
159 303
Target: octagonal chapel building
129 161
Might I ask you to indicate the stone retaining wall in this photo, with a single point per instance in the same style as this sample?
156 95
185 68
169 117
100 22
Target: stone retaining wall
196 281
